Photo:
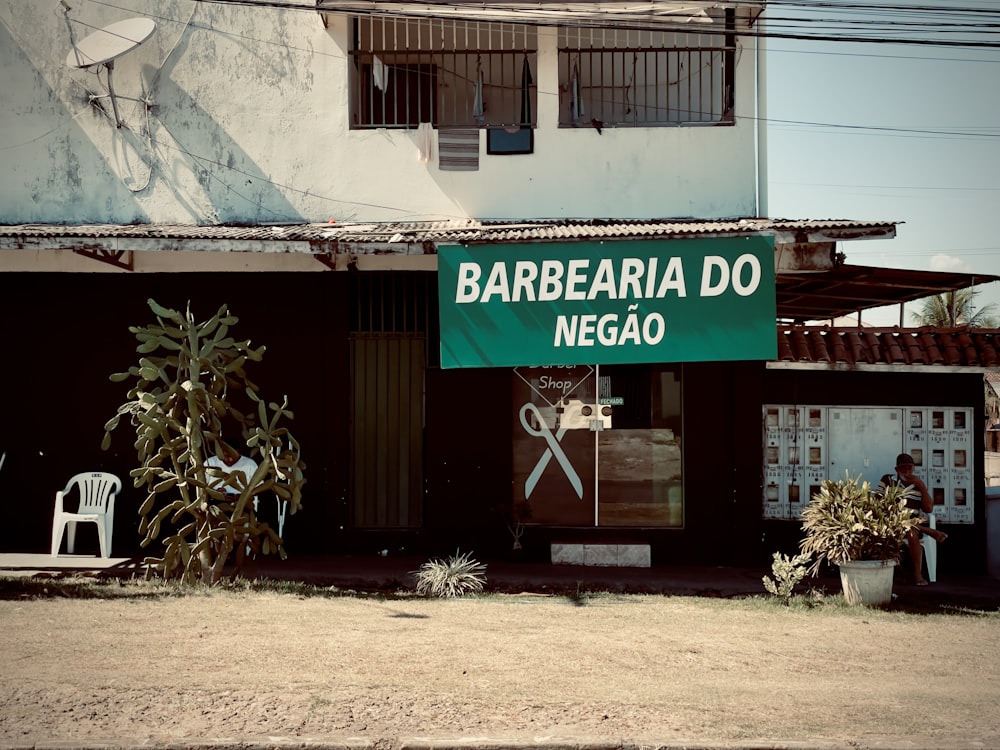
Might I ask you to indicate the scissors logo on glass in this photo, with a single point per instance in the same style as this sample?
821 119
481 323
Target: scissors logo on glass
554 449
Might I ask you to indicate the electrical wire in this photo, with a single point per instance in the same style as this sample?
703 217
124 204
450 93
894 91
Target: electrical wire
987 21
177 146
223 32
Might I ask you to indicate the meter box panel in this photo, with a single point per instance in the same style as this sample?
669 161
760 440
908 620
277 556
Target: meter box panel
939 493
799 446
936 476
916 425
961 428
772 435
813 488
961 510
960 458
815 448
815 418
815 456
815 425
772 418
938 428
918 452
793 453
961 475
792 418
774 506
796 461
915 439
959 461
960 421
795 492
815 476
772 453
775 499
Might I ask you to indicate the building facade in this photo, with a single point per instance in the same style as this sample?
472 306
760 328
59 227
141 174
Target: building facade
512 267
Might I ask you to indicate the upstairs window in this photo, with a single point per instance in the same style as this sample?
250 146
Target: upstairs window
644 78
406 71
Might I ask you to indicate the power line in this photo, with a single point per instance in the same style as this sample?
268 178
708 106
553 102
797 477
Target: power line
257 176
886 187
804 28
885 129
937 59
277 4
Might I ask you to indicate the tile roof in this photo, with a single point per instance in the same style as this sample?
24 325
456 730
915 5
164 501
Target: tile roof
964 347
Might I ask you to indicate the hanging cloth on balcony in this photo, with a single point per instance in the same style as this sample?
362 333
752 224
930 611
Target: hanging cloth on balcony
458 149
380 74
425 142
478 110
526 82
576 103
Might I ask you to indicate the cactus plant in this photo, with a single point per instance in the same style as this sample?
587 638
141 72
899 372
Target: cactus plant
186 382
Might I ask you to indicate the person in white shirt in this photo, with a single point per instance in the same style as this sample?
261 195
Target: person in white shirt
232 466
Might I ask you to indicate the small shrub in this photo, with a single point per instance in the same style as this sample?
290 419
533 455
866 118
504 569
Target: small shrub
788 572
457 576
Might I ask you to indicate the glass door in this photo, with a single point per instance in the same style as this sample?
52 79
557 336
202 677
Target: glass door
554 447
598 446
639 456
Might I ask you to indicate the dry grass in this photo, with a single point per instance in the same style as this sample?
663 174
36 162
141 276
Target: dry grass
149 664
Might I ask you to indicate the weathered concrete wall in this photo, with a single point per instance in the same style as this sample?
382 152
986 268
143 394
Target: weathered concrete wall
249 123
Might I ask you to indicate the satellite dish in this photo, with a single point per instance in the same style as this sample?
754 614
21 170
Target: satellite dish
106 45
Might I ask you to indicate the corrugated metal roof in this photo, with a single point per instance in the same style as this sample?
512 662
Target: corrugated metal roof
466 230
960 347
801 296
846 289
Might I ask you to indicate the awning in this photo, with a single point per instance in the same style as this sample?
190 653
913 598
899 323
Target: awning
841 291
801 295
598 13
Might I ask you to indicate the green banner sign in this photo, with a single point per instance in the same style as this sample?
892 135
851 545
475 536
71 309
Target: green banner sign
620 302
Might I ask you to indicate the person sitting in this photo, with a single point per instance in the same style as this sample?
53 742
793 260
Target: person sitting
921 506
231 474
231 464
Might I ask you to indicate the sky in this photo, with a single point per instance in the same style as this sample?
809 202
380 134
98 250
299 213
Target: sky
908 133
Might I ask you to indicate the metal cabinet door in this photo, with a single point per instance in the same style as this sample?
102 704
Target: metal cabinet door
865 441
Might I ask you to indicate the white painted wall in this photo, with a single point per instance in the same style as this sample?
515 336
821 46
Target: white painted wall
250 124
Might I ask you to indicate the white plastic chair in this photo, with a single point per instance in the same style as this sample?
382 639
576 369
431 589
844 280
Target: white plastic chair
282 512
930 550
97 505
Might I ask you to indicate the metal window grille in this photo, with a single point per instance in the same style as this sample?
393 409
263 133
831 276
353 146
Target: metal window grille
406 71
396 302
644 78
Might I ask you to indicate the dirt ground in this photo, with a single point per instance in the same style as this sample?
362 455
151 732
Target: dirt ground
644 669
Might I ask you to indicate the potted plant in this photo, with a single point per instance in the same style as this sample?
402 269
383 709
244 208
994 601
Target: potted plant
861 530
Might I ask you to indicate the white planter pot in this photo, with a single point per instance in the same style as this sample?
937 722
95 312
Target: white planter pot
867 581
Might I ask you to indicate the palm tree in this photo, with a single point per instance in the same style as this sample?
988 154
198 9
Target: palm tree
954 309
